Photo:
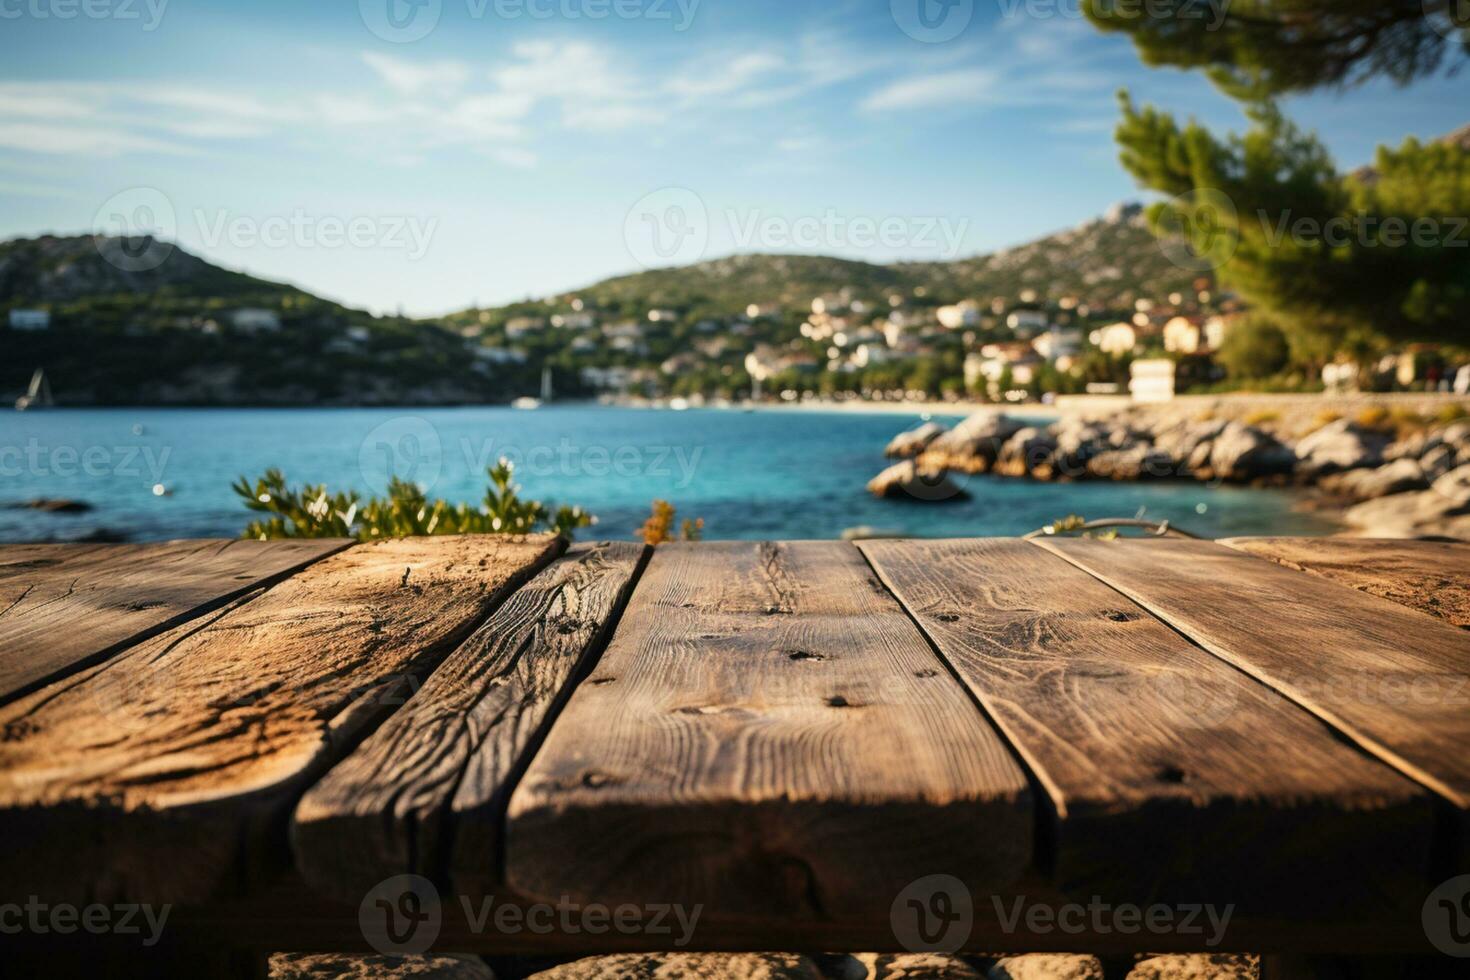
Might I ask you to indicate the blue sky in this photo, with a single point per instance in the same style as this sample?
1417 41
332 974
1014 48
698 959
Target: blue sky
516 147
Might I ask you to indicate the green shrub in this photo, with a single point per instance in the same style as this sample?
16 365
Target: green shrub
314 512
1254 348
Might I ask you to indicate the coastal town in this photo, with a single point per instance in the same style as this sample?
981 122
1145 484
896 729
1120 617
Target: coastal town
1102 309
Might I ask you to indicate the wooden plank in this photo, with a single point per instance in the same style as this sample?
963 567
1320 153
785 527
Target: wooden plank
462 738
767 735
1174 777
169 771
1430 576
65 607
1395 681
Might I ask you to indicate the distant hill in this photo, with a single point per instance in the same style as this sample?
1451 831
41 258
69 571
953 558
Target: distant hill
137 321
1111 259
52 269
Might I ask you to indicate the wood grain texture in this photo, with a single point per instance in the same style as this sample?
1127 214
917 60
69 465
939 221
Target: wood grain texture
461 739
64 607
769 735
1430 576
1174 777
169 770
1394 681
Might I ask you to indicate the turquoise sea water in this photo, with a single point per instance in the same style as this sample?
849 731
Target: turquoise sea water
792 475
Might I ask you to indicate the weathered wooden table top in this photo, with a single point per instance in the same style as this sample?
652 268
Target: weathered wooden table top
793 737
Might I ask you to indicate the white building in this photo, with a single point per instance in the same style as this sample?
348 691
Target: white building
521 326
1117 339
255 320
1216 329
30 320
1028 321
500 355
1056 344
959 316
607 378
573 321
1152 381
662 316
1183 335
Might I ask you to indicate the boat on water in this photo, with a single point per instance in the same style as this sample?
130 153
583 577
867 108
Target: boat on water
38 395
527 403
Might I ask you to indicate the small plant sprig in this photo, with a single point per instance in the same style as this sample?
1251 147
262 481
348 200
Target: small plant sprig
312 511
660 526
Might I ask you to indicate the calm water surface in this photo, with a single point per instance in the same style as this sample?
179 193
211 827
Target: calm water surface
787 475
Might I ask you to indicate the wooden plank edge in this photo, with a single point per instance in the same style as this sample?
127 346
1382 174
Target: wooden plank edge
467 847
1338 724
173 622
1048 803
249 830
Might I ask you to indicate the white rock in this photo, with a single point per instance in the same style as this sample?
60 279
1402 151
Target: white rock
1455 486
1400 476
1338 446
902 966
911 443
1046 966
907 481
1197 966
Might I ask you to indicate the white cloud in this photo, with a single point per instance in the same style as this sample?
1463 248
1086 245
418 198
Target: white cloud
411 78
718 76
74 140
514 156
964 85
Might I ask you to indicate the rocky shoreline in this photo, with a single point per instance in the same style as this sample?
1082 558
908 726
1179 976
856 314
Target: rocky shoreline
1385 474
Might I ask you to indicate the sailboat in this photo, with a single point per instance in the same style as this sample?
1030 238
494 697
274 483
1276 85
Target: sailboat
527 403
38 395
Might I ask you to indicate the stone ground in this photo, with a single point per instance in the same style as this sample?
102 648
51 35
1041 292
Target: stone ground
770 966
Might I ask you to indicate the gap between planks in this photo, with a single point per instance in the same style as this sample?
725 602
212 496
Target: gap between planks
199 741
1302 635
1169 771
769 735
425 793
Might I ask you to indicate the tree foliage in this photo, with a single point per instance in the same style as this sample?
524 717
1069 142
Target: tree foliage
1268 47
1343 260
1255 348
